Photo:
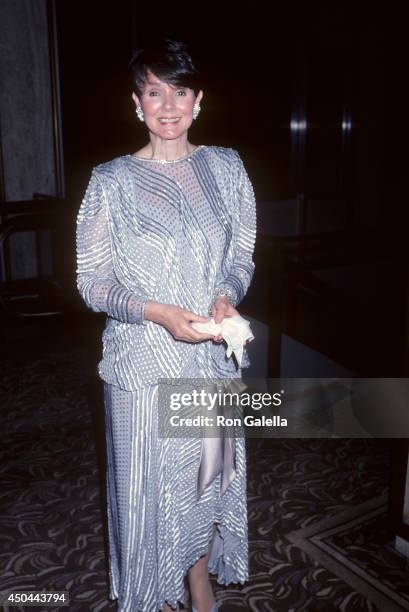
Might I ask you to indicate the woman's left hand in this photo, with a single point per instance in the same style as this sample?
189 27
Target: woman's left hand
222 308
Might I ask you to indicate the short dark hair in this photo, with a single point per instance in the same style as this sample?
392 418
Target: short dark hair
170 60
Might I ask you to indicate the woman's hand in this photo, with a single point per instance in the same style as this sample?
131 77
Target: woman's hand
222 308
177 321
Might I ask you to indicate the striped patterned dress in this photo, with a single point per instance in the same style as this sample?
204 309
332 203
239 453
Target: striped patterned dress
178 232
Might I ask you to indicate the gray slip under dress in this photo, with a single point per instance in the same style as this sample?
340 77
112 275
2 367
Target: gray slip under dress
178 232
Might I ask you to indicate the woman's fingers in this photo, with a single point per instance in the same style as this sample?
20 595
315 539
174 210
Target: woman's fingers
179 323
185 331
192 316
199 336
188 334
220 313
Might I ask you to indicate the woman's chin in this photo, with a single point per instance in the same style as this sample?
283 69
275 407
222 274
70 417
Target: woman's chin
169 132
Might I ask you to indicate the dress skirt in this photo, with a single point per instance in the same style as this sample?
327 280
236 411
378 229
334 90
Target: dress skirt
157 527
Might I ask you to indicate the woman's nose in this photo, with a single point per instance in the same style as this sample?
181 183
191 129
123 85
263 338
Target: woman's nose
168 101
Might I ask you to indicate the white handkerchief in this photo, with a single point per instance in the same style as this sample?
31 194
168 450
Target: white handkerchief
235 331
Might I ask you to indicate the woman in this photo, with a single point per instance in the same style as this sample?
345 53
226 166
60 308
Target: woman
165 237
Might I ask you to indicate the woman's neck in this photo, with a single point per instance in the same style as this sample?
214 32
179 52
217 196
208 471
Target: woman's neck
167 149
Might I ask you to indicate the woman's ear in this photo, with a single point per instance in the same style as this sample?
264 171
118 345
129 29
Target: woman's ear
135 99
199 97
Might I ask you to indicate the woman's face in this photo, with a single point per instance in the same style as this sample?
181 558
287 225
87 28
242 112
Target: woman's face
167 108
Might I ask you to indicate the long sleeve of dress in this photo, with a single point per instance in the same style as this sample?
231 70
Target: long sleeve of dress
235 285
96 279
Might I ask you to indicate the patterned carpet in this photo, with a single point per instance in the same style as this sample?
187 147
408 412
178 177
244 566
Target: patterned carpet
356 546
52 522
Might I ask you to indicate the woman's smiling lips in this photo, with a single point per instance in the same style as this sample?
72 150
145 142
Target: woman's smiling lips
166 120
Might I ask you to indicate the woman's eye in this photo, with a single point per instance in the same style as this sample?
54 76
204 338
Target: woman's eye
153 93
181 92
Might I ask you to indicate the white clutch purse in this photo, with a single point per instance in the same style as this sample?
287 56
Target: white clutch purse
235 331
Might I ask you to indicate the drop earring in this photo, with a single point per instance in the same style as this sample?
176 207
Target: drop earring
196 110
140 114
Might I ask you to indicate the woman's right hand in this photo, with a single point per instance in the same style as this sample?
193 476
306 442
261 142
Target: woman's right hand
177 321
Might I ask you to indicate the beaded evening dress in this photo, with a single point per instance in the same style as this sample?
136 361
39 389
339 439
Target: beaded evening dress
178 232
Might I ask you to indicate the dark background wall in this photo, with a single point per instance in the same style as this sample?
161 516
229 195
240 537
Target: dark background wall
264 65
